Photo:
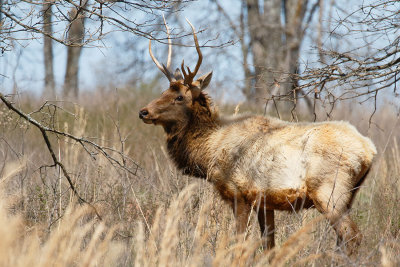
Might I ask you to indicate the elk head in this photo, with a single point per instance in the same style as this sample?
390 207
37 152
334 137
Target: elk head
175 105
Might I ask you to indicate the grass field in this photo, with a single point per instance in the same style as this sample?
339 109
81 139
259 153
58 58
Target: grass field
151 214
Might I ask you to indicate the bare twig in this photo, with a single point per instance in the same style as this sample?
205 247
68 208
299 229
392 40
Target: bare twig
105 151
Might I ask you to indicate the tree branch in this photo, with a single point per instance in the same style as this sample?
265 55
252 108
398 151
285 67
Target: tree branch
83 142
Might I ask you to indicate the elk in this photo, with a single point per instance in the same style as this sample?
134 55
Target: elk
261 162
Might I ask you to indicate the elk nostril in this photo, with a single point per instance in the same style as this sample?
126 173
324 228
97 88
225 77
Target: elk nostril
143 113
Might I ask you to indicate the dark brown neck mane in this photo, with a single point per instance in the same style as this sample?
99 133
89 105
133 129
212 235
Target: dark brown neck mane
186 145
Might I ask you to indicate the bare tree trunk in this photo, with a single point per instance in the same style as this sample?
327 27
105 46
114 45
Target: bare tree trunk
75 39
275 46
248 75
294 11
49 84
266 43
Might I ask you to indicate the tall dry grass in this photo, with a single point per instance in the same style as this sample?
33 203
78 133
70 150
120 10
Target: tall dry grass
159 217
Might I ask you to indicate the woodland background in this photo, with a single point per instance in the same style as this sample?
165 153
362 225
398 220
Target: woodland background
84 182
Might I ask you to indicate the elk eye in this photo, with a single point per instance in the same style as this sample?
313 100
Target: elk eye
179 98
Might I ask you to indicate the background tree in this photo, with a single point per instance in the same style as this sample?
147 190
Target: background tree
76 35
74 24
270 34
49 84
359 60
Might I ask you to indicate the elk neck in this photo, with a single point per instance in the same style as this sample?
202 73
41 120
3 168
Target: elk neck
186 142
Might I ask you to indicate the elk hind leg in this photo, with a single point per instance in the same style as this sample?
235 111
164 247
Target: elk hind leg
267 227
334 201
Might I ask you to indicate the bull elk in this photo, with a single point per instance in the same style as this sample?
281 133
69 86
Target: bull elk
260 162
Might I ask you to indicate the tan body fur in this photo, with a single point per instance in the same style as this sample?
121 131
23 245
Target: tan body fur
269 156
263 163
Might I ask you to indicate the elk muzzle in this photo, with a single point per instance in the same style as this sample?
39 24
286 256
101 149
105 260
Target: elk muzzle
144 115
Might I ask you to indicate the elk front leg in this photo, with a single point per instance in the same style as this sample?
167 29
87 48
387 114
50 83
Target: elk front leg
267 227
241 211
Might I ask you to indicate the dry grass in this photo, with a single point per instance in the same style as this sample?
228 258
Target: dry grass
160 217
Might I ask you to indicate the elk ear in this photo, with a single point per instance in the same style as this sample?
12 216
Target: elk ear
200 84
177 74
205 80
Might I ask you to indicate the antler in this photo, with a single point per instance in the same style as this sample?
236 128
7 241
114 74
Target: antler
164 69
189 76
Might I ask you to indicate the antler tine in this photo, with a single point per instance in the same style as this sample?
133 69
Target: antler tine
164 69
183 68
154 59
196 69
190 75
169 44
